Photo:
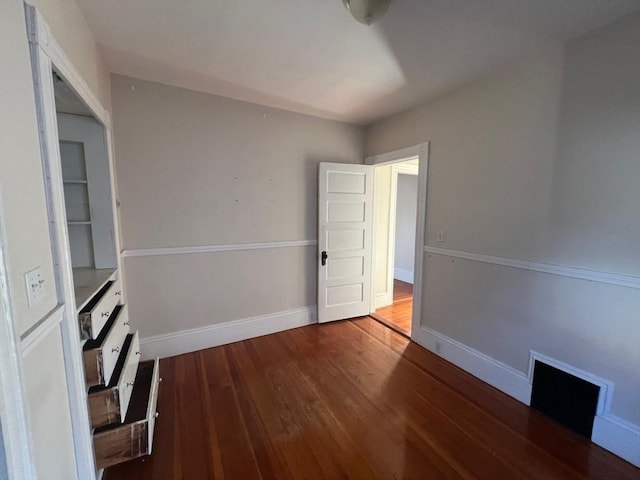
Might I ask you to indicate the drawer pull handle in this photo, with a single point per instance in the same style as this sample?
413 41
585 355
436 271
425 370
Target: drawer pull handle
119 293
105 314
159 379
129 384
156 415
127 323
115 349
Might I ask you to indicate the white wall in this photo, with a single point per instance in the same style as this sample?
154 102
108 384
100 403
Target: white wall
406 227
196 169
541 162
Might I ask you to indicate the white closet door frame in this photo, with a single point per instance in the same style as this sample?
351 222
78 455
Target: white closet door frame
46 56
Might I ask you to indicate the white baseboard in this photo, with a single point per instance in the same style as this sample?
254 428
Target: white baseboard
609 431
403 275
618 436
186 341
497 374
383 299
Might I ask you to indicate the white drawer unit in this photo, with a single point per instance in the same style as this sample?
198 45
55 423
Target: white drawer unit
108 404
134 438
101 354
97 311
123 392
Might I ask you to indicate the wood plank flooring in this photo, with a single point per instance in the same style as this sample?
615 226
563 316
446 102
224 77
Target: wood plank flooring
399 313
350 399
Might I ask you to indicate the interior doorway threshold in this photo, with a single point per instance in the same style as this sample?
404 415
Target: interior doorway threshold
391 325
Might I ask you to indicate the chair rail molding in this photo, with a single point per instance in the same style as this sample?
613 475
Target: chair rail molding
151 252
562 270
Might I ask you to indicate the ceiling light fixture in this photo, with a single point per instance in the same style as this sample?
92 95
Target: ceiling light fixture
367 12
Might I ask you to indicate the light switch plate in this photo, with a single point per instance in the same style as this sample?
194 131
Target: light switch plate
35 285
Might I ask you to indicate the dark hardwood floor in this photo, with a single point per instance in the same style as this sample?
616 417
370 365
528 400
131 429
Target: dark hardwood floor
350 399
398 314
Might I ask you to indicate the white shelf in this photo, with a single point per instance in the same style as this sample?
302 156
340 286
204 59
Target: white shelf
79 223
87 281
81 182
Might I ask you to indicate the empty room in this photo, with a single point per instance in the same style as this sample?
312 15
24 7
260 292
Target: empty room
319 239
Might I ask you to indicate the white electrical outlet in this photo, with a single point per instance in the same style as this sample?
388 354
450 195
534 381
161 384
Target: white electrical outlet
35 285
440 236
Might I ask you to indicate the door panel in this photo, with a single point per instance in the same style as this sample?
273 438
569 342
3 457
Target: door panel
345 267
345 212
345 234
338 240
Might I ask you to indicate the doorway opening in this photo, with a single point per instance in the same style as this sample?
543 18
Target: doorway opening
395 218
347 251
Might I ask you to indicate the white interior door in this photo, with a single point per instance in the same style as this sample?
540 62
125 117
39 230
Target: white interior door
345 227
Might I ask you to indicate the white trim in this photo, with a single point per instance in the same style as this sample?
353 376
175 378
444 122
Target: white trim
150 252
46 54
421 233
186 341
383 299
497 374
606 387
42 36
618 436
41 330
391 237
562 270
403 275
400 155
403 168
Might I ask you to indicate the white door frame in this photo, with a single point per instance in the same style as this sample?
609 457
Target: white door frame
421 151
397 168
47 55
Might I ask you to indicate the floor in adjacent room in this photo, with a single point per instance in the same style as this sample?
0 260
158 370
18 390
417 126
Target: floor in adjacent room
349 399
398 314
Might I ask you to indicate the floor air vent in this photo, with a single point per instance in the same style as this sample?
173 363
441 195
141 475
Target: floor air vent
569 400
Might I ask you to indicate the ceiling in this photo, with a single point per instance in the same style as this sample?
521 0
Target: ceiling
310 56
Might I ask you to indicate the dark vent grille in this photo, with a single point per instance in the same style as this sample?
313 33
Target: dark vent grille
569 400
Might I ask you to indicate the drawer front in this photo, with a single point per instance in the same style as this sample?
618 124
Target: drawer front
113 343
128 376
108 405
104 407
117 444
116 291
120 444
94 320
100 355
152 409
